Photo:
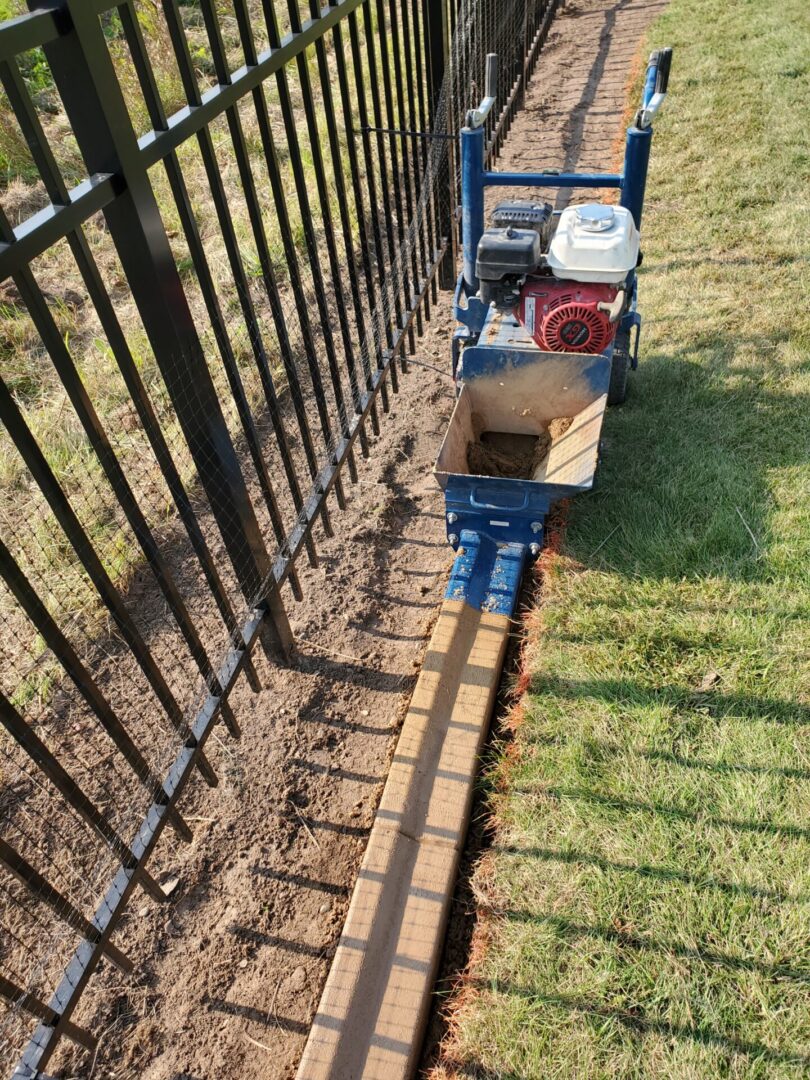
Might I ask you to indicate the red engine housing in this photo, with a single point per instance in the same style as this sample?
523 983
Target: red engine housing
564 316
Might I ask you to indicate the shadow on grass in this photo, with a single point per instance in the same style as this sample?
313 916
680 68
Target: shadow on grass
686 485
570 929
716 704
723 766
635 1022
765 261
648 870
665 810
470 1070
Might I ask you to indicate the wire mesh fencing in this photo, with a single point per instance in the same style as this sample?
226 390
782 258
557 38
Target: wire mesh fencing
224 227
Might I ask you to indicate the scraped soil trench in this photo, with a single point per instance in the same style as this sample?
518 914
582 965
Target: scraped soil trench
230 973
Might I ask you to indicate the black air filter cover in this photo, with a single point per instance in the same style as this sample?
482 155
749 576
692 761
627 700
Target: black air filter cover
523 214
507 252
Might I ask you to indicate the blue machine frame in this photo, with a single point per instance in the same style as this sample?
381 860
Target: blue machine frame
480 347
475 178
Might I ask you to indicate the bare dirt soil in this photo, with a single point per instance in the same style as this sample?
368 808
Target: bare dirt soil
231 971
572 114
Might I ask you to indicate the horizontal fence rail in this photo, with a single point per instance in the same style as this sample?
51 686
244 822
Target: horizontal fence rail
223 228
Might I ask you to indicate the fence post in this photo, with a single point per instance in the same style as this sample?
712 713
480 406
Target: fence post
437 45
86 80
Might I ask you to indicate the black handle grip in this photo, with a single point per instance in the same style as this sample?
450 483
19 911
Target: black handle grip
662 73
491 83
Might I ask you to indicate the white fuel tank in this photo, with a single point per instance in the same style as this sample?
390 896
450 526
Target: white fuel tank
594 242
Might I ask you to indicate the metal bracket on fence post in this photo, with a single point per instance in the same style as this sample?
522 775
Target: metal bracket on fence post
438 51
86 80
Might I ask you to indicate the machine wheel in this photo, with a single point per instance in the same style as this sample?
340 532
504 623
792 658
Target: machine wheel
620 366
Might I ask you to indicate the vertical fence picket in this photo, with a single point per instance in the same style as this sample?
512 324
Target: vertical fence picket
56 641
371 182
349 344
44 891
437 45
360 214
72 793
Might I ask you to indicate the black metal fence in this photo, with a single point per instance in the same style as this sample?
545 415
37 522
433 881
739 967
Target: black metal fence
223 227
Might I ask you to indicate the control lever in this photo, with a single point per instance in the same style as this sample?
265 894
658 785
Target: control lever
662 72
661 61
476 117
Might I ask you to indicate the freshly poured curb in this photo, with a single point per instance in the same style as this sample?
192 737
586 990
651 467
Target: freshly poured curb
372 1015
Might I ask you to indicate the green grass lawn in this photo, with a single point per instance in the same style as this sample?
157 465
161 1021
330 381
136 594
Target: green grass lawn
645 908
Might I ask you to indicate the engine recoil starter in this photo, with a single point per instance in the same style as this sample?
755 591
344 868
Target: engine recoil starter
565 316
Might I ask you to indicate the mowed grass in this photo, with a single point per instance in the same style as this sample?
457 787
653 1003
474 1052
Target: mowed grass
645 907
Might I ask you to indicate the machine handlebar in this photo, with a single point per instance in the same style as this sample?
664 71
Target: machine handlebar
655 89
476 117
491 84
662 70
655 86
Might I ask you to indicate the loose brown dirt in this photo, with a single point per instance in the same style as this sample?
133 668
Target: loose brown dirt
495 457
230 972
558 427
514 457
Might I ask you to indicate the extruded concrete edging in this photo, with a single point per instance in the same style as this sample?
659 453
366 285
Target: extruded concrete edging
373 1011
